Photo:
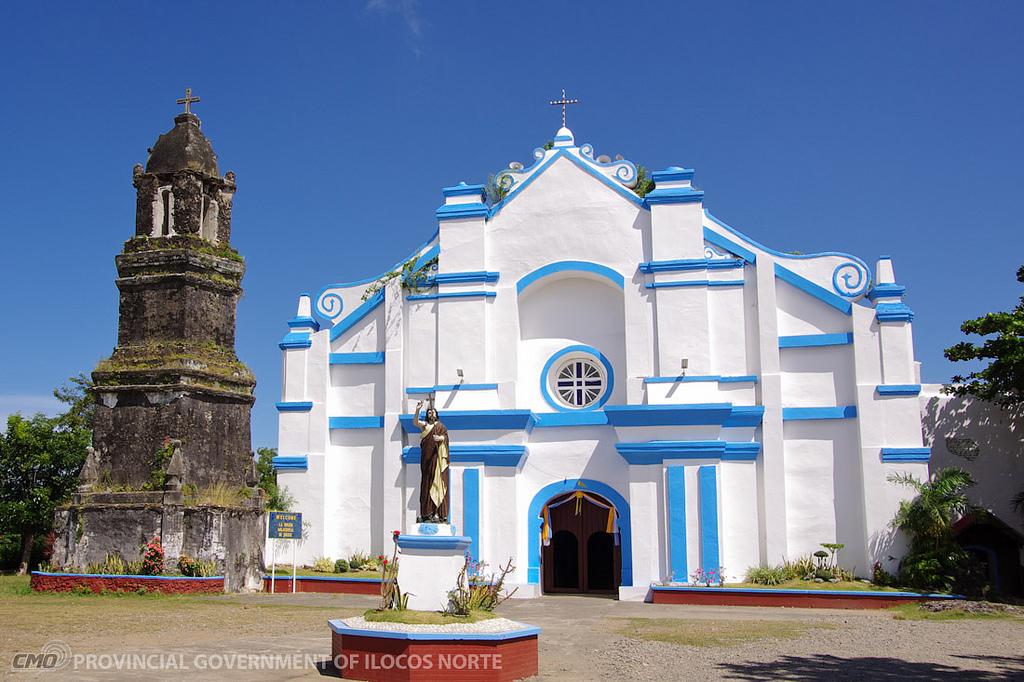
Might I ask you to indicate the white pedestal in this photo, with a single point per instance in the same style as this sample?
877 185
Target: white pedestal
429 561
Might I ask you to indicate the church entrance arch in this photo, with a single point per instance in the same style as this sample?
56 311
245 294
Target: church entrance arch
580 552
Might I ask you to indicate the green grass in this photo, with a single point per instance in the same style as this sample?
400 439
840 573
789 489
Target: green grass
424 617
915 612
710 633
797 584
286 571
14 584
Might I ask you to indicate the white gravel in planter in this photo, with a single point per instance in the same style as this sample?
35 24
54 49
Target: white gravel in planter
492 625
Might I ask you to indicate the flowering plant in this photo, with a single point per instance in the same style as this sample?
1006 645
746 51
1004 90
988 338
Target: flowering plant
712 575
153 557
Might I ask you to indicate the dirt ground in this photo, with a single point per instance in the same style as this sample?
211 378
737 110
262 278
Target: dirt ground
582 639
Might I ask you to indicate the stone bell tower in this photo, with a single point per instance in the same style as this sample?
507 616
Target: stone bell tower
171 453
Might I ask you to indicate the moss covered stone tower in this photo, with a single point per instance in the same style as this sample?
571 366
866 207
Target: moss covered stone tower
171 455
174 373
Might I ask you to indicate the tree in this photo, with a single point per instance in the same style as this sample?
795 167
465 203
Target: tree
934 560
1002 380
76 393
277 498
39 463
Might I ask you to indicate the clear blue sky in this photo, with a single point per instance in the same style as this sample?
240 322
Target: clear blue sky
871 128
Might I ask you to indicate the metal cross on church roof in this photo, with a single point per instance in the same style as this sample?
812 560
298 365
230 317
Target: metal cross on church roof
187 100
563 102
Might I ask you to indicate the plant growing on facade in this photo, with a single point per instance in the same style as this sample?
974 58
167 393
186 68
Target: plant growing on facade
413 279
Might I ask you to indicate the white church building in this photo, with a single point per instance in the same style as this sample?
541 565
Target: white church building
634 390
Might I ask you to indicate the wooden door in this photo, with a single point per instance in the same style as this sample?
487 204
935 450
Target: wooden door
582 557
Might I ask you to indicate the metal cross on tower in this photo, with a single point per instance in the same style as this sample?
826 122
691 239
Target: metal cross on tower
563 102
187 100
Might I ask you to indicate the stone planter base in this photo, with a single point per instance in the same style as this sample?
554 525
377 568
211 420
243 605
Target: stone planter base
386 655
815 599
65 582
315 583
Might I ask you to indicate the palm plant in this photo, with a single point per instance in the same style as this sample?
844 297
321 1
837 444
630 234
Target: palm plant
929 517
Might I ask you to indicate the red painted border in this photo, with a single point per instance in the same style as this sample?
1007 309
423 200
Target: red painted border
333 586
66 582
381 659
723 597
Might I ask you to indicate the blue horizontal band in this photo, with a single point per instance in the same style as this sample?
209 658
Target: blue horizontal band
133 576
295 340
303 322
672 174
812 340
416 390
294 406
440 542
893 312
814 413
906 454
571 418
685 264
370 422
465 277
451 294
868 594
463 190
324 578
488 455
453 211
886 291
290 462
674 195
340 628
657 451
474 420
686 378
724 414
696 283
357 358
898 389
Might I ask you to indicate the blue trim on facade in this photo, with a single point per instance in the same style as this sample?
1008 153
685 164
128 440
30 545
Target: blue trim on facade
574 418
577 348
451 294
341 423
294 406
303 322
674 195
144 577
730 246
488 455
819 292
696 283
657 451
669 415
868 594
526 631
293 340
571 266
445 542
906 454
898 389
357 358
466 277
478 420
290 462
686 264
745 415
416 390
813 340
463 190
893 312
887 290
457 211
672 174
471 510
675 482
367 307
687 378
792 414
545 494
708 484
324 578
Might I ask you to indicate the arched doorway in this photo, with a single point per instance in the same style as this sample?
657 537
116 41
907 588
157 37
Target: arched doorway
581 555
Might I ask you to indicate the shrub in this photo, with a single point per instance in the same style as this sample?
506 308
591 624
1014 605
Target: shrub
800 568
142 591
357 561
880 576
322 564
134 567
196 568
153 558
112 564
341 566
483 594
766 575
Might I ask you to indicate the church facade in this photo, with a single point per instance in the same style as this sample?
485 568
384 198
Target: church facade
634 390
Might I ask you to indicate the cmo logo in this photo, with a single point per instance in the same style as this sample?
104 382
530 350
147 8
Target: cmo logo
53 656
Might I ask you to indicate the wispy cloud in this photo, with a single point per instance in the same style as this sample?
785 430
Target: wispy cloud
408 11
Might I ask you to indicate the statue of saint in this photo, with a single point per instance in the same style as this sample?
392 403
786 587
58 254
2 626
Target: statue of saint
433 467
